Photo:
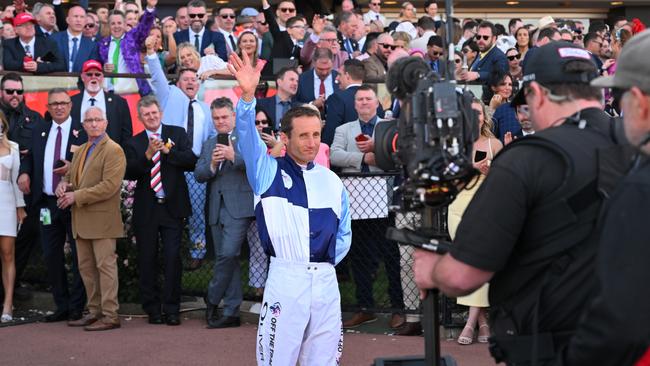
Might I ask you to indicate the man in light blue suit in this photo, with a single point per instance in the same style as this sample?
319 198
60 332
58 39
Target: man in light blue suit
74 47
181 108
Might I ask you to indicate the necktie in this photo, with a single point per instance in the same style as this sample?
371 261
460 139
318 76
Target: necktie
92 102
295 52
233 45
57 156
190 122
321 89
27 51
75 50
197 45
355 45
348 46
156 181
366 129
116 56
434 66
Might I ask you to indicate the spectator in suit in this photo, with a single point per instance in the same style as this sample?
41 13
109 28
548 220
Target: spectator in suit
225 17
117 53
469 31
286 43
323 36
73 46
181 108
348 25
44 54
285 10
157 158
435 55
91 189
594 44
374 14
490 57
119 127
287 86
200 36
231 213
317 84
376 65
46 19
22 121
545 36
53 144
352 155
265 37
340 105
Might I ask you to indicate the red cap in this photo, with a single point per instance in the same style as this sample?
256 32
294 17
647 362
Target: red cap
23 18
91 64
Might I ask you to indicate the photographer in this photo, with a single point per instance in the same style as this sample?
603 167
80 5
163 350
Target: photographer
529 230
614 329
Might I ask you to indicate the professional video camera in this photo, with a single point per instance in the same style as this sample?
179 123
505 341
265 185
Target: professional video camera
432 140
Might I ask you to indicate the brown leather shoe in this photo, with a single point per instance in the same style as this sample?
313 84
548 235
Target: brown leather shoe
358 319
397 320
410 329
101 325
85 320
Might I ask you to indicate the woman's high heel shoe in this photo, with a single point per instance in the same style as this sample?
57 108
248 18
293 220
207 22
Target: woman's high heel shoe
6 318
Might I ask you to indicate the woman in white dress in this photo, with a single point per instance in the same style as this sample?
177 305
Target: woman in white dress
12 212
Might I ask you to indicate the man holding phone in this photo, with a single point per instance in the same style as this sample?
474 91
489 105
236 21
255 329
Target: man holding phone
230 214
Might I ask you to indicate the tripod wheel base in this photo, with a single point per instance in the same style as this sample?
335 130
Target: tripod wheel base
412 361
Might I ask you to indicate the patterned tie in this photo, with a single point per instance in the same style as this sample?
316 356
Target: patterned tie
92 102
57 156
190 122
156 181
75 50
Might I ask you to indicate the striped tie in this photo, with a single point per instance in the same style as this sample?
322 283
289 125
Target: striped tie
156 182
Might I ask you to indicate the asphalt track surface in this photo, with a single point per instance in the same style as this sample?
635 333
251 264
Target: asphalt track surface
139 343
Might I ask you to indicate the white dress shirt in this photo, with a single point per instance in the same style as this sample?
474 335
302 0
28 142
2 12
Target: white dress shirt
192 37
328 85
122 85
99 102
30 44
48 160
372 15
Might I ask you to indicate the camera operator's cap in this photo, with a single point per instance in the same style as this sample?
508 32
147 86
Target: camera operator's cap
248 12
91 64
546 66
632 66
23 18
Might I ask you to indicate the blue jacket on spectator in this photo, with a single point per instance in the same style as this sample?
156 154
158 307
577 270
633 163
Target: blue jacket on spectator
209 38
87 50
505 120
306 86
268 105
495 59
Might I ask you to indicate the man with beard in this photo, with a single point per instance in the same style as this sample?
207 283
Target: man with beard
490 57
200 36
22 121
376 65
117 110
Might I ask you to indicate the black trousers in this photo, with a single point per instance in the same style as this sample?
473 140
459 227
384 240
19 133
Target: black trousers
170 231
53 238
369 246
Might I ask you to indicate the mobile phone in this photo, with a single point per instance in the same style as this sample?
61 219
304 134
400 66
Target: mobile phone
361 137
222 139
60 163
480 155
267 130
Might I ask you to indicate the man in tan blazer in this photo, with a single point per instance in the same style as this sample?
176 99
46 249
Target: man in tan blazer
92 188
376 65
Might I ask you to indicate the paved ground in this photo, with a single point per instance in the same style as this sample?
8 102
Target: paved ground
139 343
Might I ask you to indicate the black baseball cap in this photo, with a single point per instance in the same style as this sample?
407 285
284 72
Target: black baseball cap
546 66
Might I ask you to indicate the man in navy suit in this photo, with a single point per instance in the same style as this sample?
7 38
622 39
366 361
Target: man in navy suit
317 84
339 106
53 144
277 105
490 56
198 34
45 57
73 46
120 127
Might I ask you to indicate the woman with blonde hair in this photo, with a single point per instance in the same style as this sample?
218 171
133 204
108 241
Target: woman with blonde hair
485 148
12 213
407 13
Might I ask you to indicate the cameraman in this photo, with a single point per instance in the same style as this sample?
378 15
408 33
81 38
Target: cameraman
529 229
615 329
